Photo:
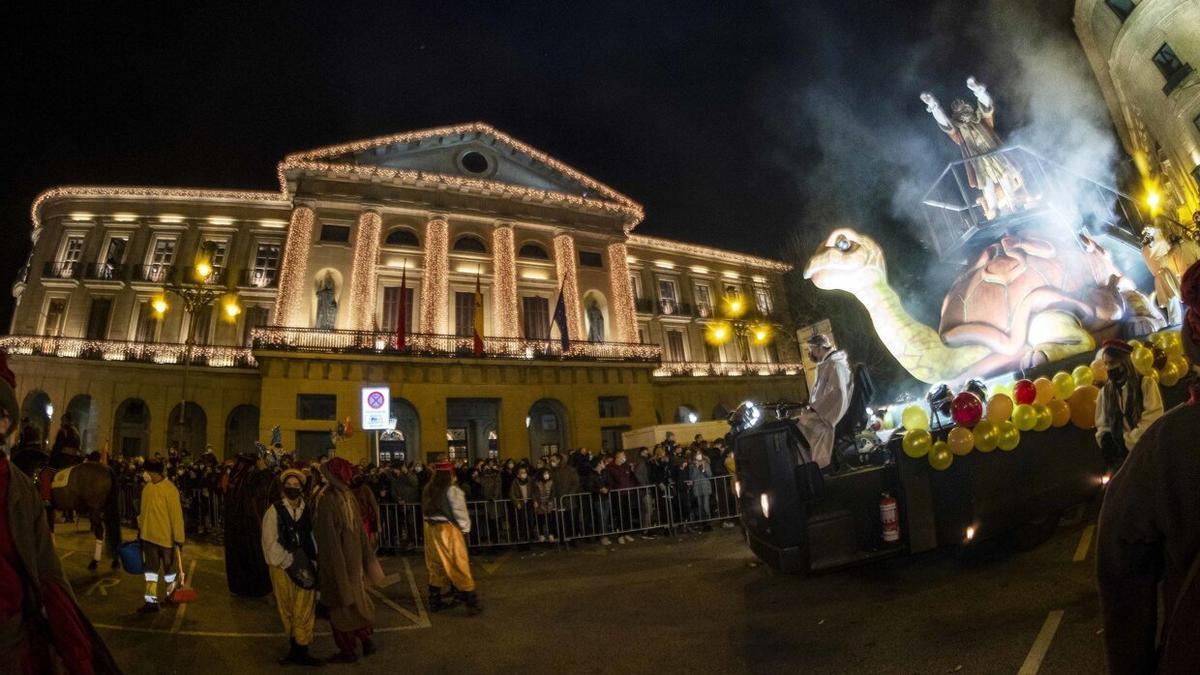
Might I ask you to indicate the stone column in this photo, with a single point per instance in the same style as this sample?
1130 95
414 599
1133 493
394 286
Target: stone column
293 268
621 308
362 270
504 283
564 262
435 285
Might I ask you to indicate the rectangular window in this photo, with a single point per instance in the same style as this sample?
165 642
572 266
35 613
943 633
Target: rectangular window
464 314
316 406
312 444
115 255
712 353
163 252
635 285
590 259
1122 8
704 308
265 271
675 351
217 249
72 249
536 318
256 317
203 319
1172 69
56 309
614 406
391 309
337 234
641 336
762 298
668 297
612 438
97 325
147 322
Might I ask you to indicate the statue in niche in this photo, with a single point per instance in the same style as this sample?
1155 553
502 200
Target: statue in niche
595 323
326 303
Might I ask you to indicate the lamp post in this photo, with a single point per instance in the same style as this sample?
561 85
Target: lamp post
196 293
734 325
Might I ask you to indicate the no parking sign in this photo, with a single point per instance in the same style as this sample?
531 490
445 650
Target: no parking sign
376 412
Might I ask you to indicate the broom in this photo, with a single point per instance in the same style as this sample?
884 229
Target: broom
184 593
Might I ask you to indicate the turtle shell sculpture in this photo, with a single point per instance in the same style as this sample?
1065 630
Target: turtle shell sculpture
1023 301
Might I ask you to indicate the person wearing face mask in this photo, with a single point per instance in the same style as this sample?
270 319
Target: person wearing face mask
828 400
542 495
291 551
1128 403
160 526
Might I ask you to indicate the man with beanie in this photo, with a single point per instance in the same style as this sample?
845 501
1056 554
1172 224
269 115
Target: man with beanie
1149 534
291 553
1128 403
160 524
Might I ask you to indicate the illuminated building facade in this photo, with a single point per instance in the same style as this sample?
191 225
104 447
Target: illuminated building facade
362 238
1144 55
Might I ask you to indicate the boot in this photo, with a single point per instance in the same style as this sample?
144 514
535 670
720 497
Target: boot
369 647
471 600
291 655
303 658
438 602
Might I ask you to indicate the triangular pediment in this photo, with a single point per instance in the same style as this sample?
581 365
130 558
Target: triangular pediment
473 151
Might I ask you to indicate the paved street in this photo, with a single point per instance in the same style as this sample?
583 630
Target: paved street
697 603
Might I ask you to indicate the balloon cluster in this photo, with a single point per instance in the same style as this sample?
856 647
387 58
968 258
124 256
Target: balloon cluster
1033 405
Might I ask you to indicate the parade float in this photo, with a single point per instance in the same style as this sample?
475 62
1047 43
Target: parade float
1046 265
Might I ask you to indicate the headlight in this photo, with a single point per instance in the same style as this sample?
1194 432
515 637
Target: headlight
765 502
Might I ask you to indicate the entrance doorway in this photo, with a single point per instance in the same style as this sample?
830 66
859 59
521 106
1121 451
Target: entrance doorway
547 425
131 428
471 429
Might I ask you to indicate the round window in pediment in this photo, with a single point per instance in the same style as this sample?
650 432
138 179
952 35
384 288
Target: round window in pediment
475 162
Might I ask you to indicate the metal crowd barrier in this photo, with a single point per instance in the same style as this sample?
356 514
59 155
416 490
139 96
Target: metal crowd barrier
202 507
500 523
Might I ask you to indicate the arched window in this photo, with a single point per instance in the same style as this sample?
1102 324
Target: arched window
535 251
470 243
402 237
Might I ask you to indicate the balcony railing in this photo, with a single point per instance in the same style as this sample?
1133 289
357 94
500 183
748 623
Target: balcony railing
61 269
105 272
125 350
705 369
216 276
155 274
276 338
704 310
259 278
644 305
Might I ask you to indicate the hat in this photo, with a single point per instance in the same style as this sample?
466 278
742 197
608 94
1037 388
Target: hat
819 340
443 465
153 465
340 469
292 473
1118 346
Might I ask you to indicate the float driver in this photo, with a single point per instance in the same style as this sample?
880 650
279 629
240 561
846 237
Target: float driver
828 400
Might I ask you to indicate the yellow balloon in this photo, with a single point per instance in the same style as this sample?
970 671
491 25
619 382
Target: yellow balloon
1143 360
1060 413
1082 375
1024 417
1160 340
961 441
1174 347
1169 375
986 436
999 408
1182 364
1009 436
1045 390
1099 373
1044 417
916 443
1137 344
1083 406
940 456
1064 385
915 417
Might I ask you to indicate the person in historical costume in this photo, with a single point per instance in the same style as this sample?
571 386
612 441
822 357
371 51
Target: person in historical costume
42 629
291 553
65 450
974 130
1149 535
160 526
346 561
828 400
1128 403
247 496
446 559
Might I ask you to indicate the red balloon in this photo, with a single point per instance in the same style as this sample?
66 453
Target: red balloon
1024 391
967 409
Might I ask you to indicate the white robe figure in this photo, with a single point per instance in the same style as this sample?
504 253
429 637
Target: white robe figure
1152 409
828 401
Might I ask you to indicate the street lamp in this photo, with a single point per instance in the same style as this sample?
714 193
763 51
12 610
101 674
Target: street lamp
196 293
733 326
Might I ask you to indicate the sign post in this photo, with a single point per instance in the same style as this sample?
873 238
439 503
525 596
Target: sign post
376 413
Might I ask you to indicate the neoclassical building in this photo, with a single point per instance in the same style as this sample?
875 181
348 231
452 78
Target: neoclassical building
1144 54
189 317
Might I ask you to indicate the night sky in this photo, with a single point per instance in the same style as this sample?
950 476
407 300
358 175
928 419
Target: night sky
722 118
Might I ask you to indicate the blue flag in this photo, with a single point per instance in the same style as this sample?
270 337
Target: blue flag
560 320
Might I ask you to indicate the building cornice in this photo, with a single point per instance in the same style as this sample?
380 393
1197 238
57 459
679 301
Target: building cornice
678 247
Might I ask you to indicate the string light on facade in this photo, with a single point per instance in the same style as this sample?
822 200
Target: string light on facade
435 286
362 270
504 282
622 305
564 261
294 267
135 192
118 350
678 247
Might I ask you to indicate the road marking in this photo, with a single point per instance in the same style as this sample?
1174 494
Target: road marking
1041 644
1085 543
412 585
175 625
66 555
102 585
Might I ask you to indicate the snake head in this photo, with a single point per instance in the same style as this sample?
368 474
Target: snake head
846 261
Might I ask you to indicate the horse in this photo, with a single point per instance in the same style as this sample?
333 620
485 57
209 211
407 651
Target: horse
91 488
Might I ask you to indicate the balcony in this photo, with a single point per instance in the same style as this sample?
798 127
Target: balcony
215 277
153 274
123 350
644 305
705 369
105 272
61 269
259 279
704 310
276 338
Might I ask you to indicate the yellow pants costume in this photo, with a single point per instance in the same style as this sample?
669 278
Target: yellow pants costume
296 606
446 557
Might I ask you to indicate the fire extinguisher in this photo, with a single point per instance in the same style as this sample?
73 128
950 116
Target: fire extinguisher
889 518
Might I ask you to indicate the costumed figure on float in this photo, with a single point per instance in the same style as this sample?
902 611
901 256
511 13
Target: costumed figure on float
828 400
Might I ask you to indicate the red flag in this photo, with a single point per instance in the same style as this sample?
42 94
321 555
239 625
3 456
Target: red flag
478 317
402 320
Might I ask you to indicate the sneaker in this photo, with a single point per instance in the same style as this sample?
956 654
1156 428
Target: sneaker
622 539
605 541
148 608
728 524
649 536
542 539
551 539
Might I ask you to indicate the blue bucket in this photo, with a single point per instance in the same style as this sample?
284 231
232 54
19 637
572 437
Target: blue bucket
130 554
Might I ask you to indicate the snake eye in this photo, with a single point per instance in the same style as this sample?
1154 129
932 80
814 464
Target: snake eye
842 243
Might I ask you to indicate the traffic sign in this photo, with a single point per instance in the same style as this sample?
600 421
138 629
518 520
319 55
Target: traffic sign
376 413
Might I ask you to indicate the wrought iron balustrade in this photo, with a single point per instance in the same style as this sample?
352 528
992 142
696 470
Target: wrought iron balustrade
216 356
